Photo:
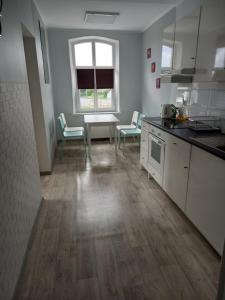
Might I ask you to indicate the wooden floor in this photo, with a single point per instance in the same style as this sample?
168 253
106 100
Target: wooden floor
107 232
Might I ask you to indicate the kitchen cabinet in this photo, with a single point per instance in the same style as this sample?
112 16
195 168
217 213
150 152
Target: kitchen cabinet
185 44
144 149
210 62
179 48
206 196
176 169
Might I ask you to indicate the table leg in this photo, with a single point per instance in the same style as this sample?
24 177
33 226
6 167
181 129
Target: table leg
89 139
115 134
110 134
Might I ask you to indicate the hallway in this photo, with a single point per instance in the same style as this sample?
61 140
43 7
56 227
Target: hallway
107 232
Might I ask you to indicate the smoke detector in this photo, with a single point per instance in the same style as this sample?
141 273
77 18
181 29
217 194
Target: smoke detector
96 17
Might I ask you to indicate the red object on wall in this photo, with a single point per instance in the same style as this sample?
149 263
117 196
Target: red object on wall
149 52
153 67
158 83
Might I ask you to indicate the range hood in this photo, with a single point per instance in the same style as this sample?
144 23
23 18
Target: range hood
185 76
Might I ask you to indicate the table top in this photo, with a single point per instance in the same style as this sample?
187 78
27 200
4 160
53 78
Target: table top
100 118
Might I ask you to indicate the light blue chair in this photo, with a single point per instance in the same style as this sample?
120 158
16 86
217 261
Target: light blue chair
78 133
134 132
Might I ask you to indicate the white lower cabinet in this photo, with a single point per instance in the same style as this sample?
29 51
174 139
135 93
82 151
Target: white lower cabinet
144 149
206 196
176 169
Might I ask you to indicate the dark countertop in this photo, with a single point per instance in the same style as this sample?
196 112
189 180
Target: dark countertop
182 131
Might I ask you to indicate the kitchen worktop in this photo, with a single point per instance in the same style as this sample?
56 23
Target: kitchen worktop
204 140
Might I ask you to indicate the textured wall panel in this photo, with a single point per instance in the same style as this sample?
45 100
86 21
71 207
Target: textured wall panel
19 182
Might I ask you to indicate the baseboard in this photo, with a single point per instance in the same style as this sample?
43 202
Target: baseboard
29 245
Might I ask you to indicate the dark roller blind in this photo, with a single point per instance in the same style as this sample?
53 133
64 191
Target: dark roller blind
85 79
104 78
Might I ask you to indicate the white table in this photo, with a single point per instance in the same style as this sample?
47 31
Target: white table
100 120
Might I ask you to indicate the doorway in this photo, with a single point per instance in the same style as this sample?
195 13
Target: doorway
30 51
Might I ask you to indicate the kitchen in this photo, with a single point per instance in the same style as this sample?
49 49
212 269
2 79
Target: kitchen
183 150
141 221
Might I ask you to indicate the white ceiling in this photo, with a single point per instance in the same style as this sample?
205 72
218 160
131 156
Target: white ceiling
136 15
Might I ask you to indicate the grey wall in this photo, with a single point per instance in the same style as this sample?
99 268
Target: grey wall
20 194
152 98
130 70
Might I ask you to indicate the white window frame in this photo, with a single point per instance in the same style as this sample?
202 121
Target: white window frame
75 92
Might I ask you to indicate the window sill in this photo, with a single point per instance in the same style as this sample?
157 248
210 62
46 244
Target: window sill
96 113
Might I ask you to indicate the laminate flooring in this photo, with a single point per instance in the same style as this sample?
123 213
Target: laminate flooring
106 232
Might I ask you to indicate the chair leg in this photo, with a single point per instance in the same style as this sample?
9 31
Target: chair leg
61 152
118 139
124 143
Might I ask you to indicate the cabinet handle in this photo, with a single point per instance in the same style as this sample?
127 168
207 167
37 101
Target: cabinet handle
174 143
185 167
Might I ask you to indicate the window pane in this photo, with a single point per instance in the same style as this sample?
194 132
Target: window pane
83 54
86 99
167 53
104 98
104 55
220 58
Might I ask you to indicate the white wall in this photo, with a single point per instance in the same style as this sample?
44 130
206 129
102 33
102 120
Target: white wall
130 71
20 193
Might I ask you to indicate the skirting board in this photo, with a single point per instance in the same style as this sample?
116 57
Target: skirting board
29 245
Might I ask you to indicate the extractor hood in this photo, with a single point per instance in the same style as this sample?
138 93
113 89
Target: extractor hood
176 78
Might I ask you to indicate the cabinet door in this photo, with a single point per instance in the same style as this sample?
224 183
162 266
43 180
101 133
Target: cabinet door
176 168
185 46
144 149
211 43
206 196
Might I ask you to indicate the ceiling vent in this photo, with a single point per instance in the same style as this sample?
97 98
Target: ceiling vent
96 17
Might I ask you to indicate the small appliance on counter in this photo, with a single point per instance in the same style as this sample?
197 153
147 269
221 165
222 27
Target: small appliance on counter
169 111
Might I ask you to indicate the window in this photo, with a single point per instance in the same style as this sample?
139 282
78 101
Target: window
95 74
167 56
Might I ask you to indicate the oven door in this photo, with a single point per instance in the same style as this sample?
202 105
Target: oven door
156 153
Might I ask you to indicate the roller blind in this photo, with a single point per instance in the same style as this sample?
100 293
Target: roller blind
104 78
85 79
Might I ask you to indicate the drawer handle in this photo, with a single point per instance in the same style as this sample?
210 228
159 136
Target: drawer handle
185 167
174 143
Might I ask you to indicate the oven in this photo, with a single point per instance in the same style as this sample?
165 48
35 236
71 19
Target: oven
156 156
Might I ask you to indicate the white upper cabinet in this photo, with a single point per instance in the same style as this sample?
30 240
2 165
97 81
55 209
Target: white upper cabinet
210 64
185 45
179 48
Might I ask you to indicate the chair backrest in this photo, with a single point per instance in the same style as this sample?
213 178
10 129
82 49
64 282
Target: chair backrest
63 119
135 118
141 116
61 124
